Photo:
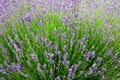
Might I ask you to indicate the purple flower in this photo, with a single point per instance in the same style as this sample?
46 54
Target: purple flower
106 19
44 66
6 61
73 76
57 68
1 10
2 78
65 56
102 77
111 38
1 66
84 47
56 32
65 47
64 35
2 20
99 59
50 44
19 66
70 71
94 67
109 52
1 45
26 75
67 63
2 71
69 78
34 56
30 29
85 56
59 54
71 5
90 71
77 28
115 2
75 22
43 11
56 46
114 57
38 67
77 65
32 34
51 57
41 23
65 19
46 41
104 69
73 66
20 50
86 36
91 54
28 17
14 2
69 23
4 51
28 62
47 54
5 1
51 71
13 66
99 72
37 38
81 18
118 62
58 78
75 15
79 62
26 37
81 72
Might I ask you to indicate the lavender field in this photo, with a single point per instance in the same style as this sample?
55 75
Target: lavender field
59 39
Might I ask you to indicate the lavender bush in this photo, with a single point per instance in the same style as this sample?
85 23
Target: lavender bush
59 40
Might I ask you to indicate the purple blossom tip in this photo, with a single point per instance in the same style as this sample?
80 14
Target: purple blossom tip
34 56
58 78
65 47
28 17
99 59
118 62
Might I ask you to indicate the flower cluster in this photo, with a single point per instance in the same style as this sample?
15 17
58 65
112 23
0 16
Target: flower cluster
59 40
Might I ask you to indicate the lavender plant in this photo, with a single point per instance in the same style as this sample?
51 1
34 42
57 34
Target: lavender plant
59 40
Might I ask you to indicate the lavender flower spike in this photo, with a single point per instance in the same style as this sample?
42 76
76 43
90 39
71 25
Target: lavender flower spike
58 78
99 59
65 47
28 17
109 52
34 56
